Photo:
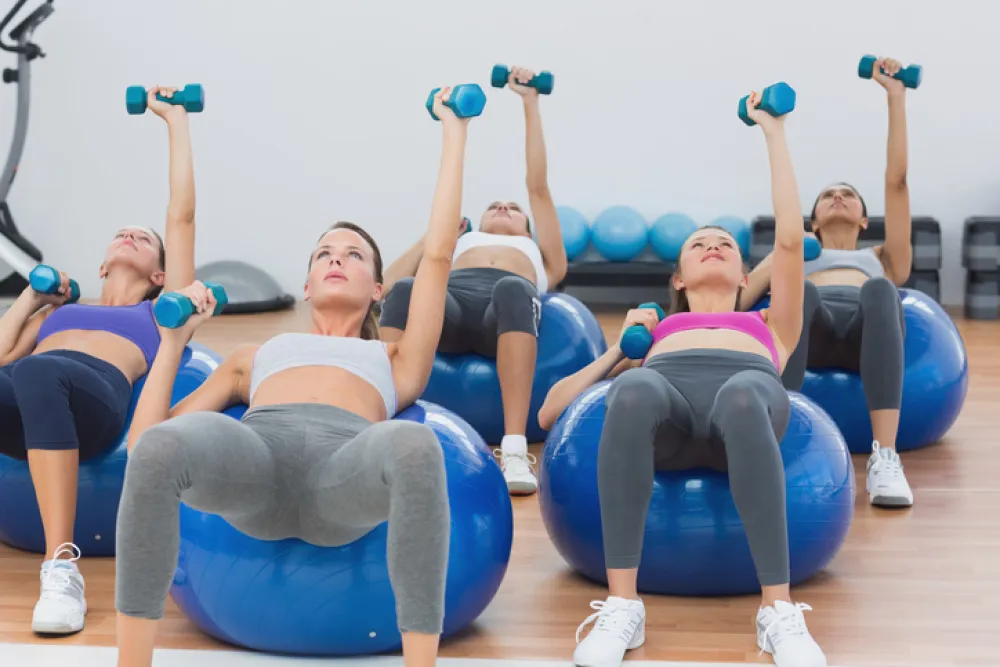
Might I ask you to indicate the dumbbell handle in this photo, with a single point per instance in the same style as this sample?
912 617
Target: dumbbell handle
173 310
46 280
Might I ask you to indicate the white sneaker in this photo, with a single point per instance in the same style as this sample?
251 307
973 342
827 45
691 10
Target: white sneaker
782 632
621 626
887 485
61 606
517 472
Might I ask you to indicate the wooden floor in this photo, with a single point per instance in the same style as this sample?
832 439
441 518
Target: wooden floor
910 588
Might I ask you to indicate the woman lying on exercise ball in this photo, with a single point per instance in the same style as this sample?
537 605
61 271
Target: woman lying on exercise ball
67 381
707 395
314 457
493 305
852 316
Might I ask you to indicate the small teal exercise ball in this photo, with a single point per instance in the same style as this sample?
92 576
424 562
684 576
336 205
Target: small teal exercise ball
620 234
575 231
668 234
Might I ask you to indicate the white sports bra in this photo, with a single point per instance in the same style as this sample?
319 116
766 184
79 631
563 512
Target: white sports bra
367 359
471 240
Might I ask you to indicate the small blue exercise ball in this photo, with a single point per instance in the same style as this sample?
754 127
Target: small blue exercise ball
575 231
668 234
740 229
620 234
100 481
694 542
291 597
569 338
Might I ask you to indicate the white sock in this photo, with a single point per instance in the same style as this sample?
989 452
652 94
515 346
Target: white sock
514 444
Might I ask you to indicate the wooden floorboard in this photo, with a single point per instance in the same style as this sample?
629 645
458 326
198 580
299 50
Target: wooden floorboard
914 587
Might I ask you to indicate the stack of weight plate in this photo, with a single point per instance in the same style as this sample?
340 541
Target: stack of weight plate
981 258
925 274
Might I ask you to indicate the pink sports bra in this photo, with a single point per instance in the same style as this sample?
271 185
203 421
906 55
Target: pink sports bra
750 323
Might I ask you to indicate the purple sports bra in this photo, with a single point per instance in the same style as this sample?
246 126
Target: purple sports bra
750 323
133 323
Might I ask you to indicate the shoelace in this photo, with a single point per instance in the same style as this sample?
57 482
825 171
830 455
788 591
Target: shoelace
791 622
609 617
887 462
56 579
516 463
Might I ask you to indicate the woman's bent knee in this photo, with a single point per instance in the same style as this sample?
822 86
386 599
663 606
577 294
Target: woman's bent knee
634 390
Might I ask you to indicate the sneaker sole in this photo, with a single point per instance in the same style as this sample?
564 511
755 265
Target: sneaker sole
891 501
55 629
521 488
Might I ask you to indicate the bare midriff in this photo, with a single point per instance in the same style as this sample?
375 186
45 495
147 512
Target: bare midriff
716 339
120 352
838 277
321 384
497 257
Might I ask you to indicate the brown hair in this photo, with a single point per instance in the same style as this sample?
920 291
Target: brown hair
155 290
678 297
369 328
812 214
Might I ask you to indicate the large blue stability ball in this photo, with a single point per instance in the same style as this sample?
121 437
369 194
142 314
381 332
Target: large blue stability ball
575 231
695 543
739 228
935 382
569 338
291 597
668 234
100 481
620 234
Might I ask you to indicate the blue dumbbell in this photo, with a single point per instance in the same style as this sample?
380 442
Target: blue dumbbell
811 248
910 76
45 280
192 98
466 100
777 100
637 339
172 310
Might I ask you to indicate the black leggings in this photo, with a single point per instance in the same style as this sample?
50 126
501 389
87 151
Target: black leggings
859 329
61 400
698 408
482 305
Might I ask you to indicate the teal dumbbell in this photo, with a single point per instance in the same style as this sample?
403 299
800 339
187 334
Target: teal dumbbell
777 100
910 76
466 100
172 310
45 280
637 340
192 98
467 224
811 248
542 82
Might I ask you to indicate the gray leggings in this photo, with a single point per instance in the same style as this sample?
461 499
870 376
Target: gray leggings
309 471
698 408
859 329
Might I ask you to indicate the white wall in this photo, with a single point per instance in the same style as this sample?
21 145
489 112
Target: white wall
315 113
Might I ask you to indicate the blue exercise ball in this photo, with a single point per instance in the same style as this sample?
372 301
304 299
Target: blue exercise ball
935 381
668 234
569 338
739 228
620 234
291 597
575 231
100 481
694 542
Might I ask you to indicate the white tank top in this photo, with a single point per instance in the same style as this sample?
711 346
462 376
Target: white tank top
368 359
526 245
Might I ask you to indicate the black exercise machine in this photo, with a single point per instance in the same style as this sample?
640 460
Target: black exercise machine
18 256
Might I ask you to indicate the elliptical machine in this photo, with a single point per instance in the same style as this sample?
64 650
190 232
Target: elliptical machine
18 256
